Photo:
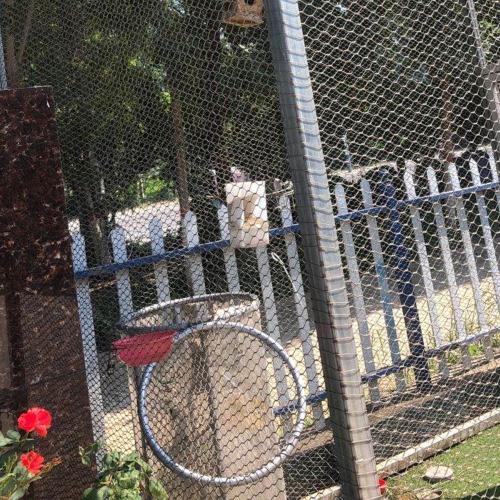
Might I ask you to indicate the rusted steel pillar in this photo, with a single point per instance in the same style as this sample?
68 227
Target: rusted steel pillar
41 312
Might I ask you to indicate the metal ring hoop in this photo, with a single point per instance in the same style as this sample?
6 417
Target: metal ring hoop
271 465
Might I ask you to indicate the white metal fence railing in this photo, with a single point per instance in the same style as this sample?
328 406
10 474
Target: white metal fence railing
122 265
374 349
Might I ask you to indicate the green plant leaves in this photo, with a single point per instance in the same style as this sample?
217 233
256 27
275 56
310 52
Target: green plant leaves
13 435
88 455
19 493
9 438
101 493
85 457
4 441
157 490
123 476
14 478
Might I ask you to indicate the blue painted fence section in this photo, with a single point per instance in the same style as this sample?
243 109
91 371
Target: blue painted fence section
173 255
399 253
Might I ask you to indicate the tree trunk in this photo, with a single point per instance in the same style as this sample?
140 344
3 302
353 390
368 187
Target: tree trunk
92 227
11 66
181 166
15 49
446 151
207 155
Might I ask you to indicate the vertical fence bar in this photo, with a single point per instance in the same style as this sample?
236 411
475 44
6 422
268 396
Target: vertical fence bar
161 270
353 442
162 280
88 339
230 263
405 286
123 286
383 284
126 308
300 302
426 270
272 323
357 292
486 228
448 265
194 262
471 261
492 164
494 175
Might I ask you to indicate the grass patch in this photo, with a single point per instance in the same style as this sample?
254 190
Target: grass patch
475 462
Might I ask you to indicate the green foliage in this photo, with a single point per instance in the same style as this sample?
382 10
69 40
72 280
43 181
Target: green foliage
396 73
11 437
123 476
14 478
475 350
381 72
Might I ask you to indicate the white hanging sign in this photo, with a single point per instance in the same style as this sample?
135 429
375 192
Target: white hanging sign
247 207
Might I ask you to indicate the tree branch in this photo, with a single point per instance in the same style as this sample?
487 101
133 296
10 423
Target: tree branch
11 61
28 21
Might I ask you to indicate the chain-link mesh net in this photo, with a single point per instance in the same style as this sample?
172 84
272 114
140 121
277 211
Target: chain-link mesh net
406 105
177 185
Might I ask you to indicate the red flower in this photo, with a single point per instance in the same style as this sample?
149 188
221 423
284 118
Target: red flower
35 419
33 461
382 484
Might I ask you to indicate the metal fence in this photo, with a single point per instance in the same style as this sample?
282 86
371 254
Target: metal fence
332 166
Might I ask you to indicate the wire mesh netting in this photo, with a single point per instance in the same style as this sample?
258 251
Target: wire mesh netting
178 185
405 104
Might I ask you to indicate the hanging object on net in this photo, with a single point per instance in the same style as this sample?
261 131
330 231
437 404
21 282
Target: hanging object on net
245 13
248 219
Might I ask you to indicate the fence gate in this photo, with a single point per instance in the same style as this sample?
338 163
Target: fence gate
284 220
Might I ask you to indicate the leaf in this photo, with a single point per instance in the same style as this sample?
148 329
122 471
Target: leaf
90 494
127 481
8 460
157 490
21 471
19 493
7 483
13 435
109 459
104 492
143 465
129 494
87 455
4 441
84 457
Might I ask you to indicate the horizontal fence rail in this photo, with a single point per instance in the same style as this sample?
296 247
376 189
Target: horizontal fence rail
276 232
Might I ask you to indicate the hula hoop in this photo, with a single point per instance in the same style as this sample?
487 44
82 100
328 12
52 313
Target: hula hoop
271 465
